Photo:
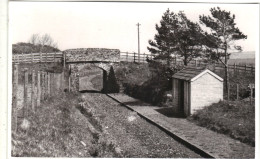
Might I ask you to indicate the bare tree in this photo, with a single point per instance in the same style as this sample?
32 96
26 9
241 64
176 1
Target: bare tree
42 43
46 39
34 39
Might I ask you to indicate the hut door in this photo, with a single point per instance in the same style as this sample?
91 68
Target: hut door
181 88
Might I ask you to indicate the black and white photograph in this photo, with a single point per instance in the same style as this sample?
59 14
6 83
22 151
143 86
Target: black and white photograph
135 79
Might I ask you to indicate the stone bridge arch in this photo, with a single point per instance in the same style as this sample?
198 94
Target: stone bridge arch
76 70
96 57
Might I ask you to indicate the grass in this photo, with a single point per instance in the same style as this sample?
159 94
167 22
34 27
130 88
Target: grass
52 131
235 119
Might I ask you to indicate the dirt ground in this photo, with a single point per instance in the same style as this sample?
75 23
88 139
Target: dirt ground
127 133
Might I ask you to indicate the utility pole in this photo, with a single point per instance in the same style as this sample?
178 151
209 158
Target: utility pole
138 42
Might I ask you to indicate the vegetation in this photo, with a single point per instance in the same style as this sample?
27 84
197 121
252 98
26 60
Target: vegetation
47 136
235 119
222 36
36 44
177 35
112 85
147 82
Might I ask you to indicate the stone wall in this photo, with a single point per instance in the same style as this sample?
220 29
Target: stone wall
92 54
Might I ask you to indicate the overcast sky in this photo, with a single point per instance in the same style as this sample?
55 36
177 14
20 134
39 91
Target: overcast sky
113 24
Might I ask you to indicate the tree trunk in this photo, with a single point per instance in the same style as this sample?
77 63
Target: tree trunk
185 60
226 71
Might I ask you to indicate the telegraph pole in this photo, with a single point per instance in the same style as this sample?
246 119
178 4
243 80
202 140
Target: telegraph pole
138 42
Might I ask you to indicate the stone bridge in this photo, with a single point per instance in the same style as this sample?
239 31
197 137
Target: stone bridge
76 60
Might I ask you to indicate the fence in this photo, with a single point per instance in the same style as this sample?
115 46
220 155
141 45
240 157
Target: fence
134 57
30 88
38 57
219 67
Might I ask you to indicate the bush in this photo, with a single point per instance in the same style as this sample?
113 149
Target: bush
112 85
235 119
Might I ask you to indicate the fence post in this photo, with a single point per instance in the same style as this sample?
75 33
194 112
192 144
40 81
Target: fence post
25 104
214 67
134 56
127 56
22 59
31 57
40 57
195 62
49 84
64 60
245 68
235 67
33 90
38 88
45 85
237 91
143 57
69 76
228 91
42 83
15 96
252 70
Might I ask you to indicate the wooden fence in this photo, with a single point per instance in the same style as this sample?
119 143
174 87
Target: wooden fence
38 57
134 57
220 67
30 88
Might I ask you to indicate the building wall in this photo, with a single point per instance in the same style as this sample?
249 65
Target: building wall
205 91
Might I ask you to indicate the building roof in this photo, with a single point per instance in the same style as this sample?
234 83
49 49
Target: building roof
193 73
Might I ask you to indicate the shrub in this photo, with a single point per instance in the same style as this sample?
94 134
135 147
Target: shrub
112 85
235 119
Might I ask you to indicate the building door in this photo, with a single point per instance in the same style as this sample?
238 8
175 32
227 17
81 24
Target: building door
181 96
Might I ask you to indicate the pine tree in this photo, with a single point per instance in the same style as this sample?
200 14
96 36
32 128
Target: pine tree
222 36
177 35
112 85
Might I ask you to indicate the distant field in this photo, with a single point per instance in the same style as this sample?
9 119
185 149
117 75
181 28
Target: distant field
249 61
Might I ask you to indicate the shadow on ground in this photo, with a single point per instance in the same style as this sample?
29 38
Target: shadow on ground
90 91
137 102
169 112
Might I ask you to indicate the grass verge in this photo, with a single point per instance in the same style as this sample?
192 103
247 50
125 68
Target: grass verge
54 130
235 119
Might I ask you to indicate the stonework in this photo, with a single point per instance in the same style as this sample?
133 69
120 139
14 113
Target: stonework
92 54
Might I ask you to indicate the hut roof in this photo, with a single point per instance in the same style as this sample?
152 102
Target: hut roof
193 73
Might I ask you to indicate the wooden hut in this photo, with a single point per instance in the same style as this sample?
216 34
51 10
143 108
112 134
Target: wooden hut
195 88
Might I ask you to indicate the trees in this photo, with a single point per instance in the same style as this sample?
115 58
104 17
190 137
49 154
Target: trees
223 33
177 35
43 42
35 44
112 85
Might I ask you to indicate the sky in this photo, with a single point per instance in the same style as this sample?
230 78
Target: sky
113 24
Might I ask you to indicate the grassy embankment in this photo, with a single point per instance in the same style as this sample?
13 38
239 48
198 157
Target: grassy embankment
61 128
52 131
234 118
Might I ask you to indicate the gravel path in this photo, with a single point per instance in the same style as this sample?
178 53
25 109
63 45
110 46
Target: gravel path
131 135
